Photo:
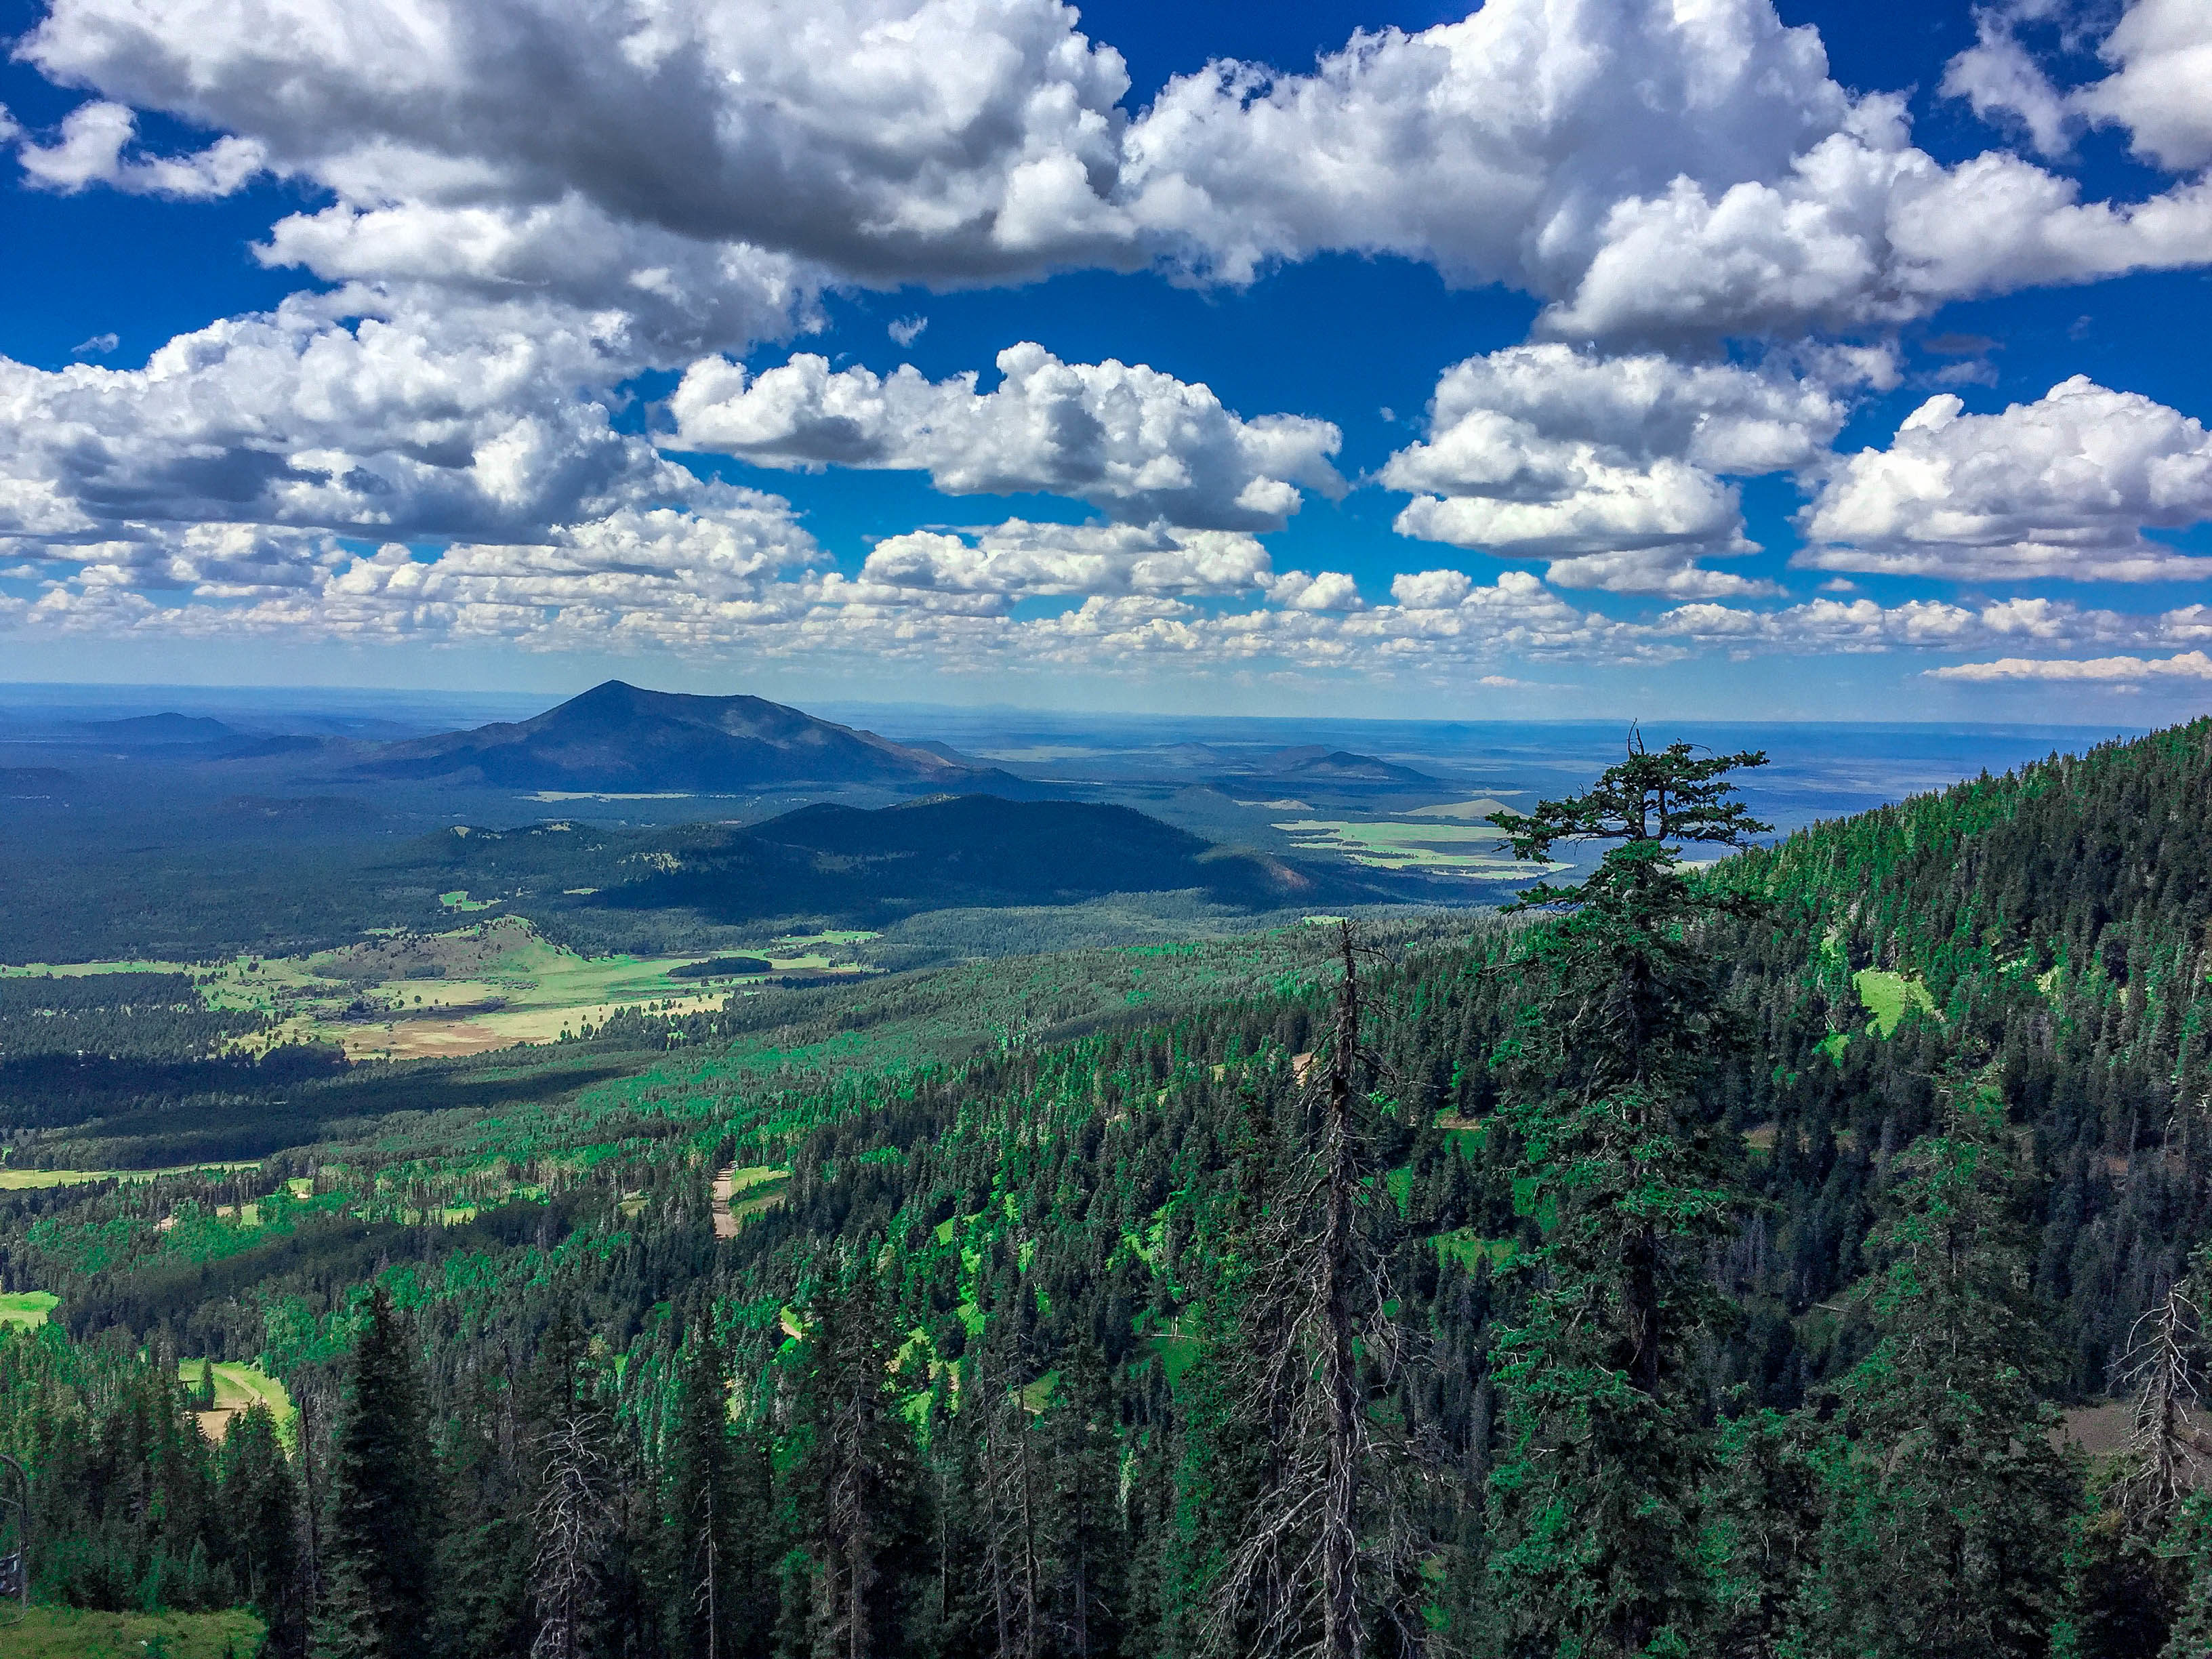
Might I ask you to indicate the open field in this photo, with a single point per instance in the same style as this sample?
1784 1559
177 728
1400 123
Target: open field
1385 844
490 985
70 1633
18 1181
732 1184
237 1387
27 1309
1887 996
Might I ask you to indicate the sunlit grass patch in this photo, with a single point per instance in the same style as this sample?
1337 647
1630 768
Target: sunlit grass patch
238 1387
1433 848
75 1633
27 1309
1887 996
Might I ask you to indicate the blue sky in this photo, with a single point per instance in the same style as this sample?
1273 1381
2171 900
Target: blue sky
1579 359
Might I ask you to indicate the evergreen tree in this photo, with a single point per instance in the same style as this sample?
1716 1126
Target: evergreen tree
569 1520
1011 1506
261 1499
484 1544
2190 1545
2130 1569
378 1553
1596 1491
856 1484
720 1514
1947 1509
1085 1543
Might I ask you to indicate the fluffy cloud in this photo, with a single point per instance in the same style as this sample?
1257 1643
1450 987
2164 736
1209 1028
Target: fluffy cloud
948 137
1862 625
458 423
1139 445
2160 52
1650 169
733 561
2059 487
90 152
1607 465
2187 664
1018 559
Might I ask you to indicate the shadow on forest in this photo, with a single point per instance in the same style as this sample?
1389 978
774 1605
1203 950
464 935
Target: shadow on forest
122 1117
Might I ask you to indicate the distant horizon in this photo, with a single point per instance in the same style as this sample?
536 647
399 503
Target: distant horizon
129 690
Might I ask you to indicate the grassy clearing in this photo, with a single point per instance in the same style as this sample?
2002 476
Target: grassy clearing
1469 1247
237 1387
1385 844
26 1309
71 1633
731 1206
1887 996
18 1181
490 985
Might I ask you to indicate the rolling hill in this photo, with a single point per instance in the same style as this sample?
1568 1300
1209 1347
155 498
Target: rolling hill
845 864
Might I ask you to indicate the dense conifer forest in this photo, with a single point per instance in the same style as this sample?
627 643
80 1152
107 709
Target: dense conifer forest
1693 1260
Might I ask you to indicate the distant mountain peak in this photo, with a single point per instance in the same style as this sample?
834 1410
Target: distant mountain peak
622 737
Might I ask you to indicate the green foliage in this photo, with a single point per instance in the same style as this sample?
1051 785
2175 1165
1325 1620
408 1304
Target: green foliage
1596 1488
1000 1280
381 1529
1948 1506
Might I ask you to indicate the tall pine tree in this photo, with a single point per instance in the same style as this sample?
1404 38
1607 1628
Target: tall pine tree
1948 1505
1595 1493
720 1514
379 1549
262 1500
1323 1561
857 1486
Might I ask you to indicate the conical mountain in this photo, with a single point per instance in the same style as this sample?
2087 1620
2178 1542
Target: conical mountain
619 739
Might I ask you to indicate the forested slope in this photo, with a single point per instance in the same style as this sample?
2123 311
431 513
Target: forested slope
963 1361
2060 922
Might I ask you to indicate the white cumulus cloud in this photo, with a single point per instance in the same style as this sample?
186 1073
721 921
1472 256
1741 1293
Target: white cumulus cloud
90 151
463 423
2160 53
2187 664
1651 169
1138 444
2062 488
1019 558
1609 466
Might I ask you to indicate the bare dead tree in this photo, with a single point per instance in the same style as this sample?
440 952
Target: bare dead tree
570 1517
1331 1544
2163 1368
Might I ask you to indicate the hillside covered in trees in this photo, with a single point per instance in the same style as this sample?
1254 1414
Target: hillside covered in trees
1693 1260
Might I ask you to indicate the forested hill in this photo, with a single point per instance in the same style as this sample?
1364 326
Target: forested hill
1741 1333
2058 920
